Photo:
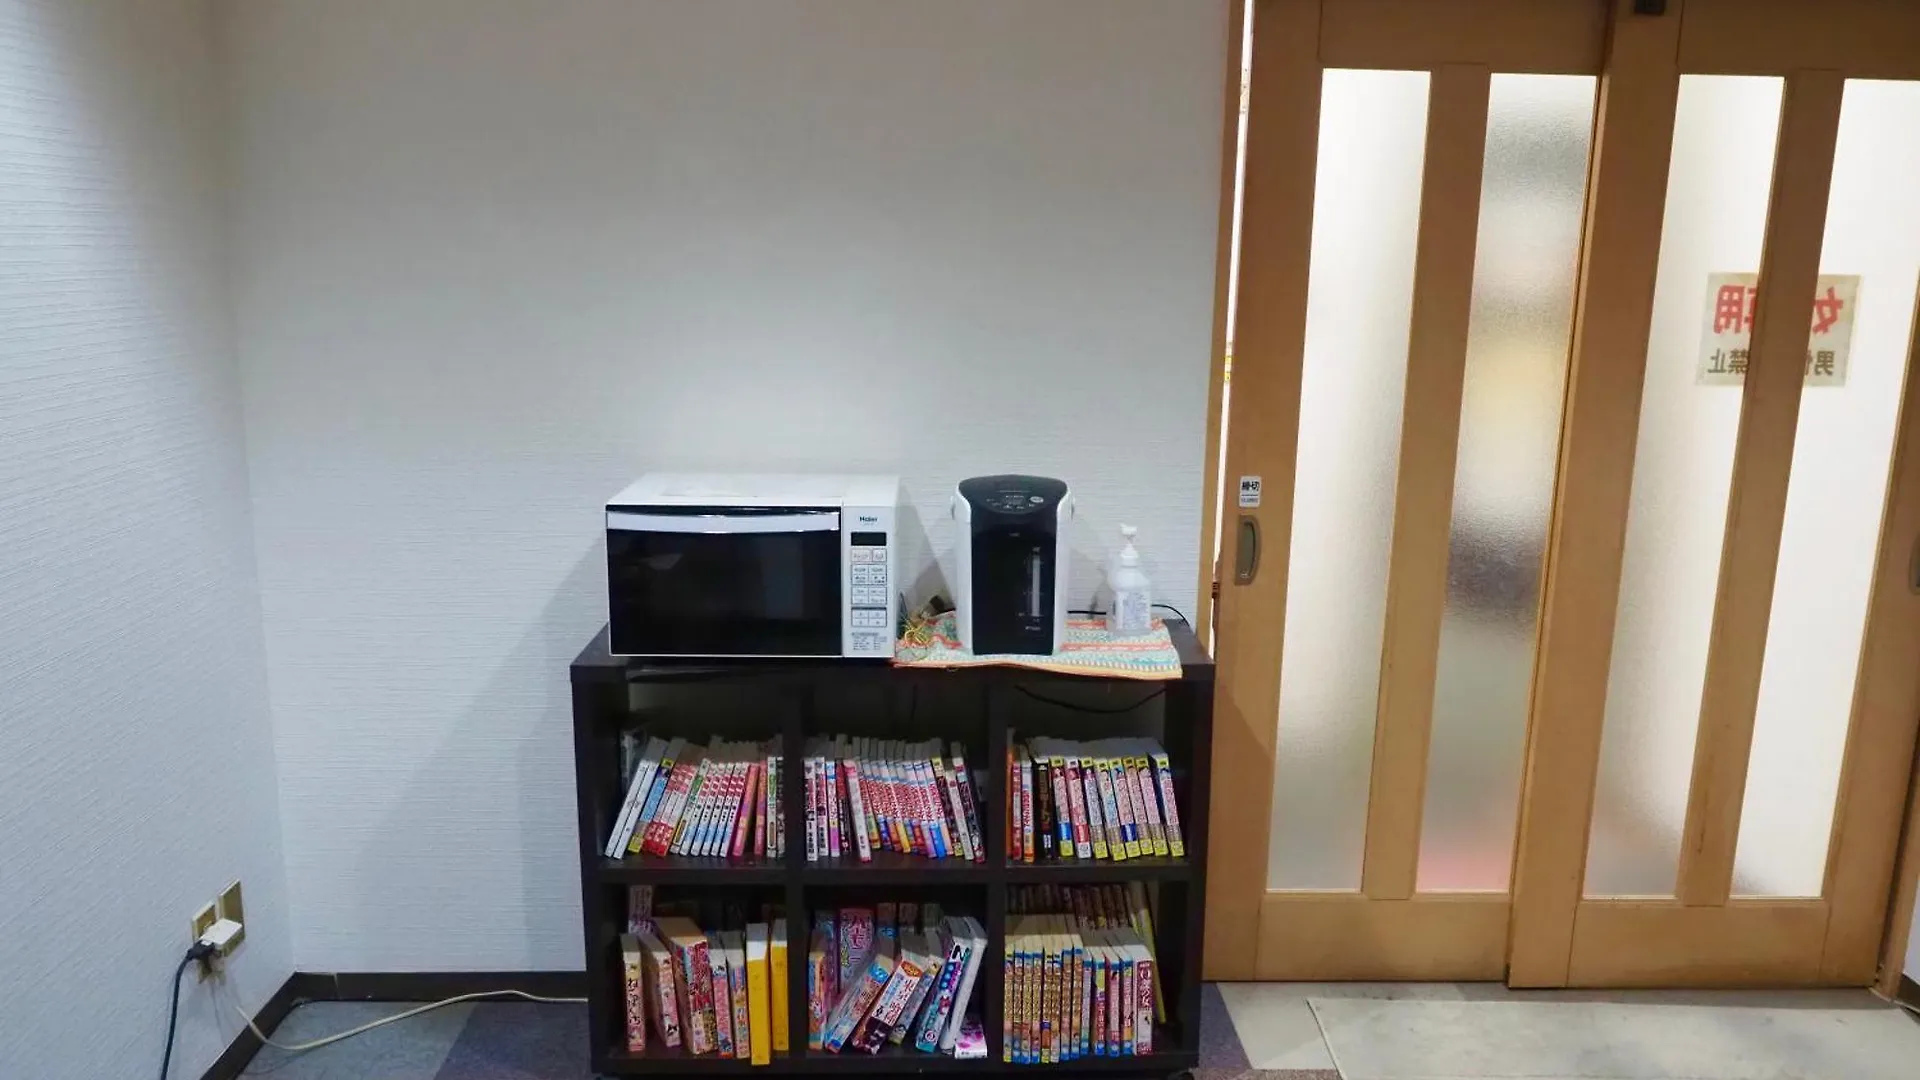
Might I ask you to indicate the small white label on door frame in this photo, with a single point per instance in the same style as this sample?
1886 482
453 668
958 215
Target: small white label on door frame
1249 492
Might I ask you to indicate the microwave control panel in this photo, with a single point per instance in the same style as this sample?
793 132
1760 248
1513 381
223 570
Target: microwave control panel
869 592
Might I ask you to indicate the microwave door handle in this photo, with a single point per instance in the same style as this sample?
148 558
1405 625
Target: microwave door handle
722 524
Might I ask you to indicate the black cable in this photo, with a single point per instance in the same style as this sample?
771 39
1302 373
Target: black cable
1088 708
1097 611
173 1011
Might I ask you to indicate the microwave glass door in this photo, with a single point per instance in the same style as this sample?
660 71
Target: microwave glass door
692 581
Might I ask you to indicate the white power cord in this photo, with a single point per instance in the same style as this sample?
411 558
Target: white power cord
301 1048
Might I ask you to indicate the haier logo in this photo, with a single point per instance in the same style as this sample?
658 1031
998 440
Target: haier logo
869 519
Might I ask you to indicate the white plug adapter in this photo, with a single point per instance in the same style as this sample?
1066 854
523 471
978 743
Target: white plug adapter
220 935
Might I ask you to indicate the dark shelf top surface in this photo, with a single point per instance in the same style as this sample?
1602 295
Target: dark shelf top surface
595 662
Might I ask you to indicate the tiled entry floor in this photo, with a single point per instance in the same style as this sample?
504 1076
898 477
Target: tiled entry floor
1365 1031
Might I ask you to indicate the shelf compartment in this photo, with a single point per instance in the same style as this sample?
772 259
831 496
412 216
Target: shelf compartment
690 870
676 1062
1145 868
894 868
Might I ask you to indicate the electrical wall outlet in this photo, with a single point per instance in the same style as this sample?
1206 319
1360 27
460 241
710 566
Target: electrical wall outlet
203 921
229 907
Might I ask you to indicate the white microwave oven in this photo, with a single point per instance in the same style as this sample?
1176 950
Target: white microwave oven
786 566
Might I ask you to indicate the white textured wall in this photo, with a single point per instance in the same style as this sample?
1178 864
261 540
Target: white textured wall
137 777
495 258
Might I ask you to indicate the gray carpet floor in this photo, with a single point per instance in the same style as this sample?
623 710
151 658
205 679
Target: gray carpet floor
525 1041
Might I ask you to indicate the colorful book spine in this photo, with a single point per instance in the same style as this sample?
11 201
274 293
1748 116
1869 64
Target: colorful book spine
660 830
656 795
934 959
1096 824
1045 833
637 786
662 990
1033 961
634 970
820 981
690 806
1097 957
813 812
738 978
870 1031
854 943
834 835
976 938
1062 808
776 815
1049 992
1145 996
1010 988
760 1002
777 958
858 1000
1077 811
693 972
1010 785
1168 808
1148 795
1129 813
963 780
718 783
1110 810
722 997
743 818
857 802
932 814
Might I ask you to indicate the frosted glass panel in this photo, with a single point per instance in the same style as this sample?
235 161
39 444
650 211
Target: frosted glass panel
1716 212
1359 301
1539 128
1841 453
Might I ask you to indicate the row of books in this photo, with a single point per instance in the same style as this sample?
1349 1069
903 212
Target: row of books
722 993
1073 991
1106 799
867 795
1102 907
894 974
721 800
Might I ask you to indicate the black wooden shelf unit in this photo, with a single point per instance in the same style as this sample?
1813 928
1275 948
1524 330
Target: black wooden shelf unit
985 708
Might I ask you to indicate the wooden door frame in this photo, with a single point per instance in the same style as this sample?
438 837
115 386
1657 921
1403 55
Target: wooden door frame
1531 938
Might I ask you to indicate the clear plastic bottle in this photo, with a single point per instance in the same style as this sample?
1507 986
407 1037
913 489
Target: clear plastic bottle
1132 592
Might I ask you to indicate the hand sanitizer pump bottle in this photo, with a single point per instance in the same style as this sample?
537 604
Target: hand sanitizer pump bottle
1132 592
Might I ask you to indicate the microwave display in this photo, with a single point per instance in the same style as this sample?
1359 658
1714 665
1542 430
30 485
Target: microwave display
712 581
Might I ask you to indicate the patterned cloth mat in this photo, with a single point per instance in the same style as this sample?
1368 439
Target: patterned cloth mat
1088 650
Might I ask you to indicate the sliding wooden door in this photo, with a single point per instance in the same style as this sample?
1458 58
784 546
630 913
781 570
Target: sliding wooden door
1559 640
1726 692
1415 184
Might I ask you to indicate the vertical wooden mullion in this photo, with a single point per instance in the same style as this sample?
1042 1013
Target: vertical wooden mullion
1423 499
1877 769
1211 509
1626 202
1283 126
1757 499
